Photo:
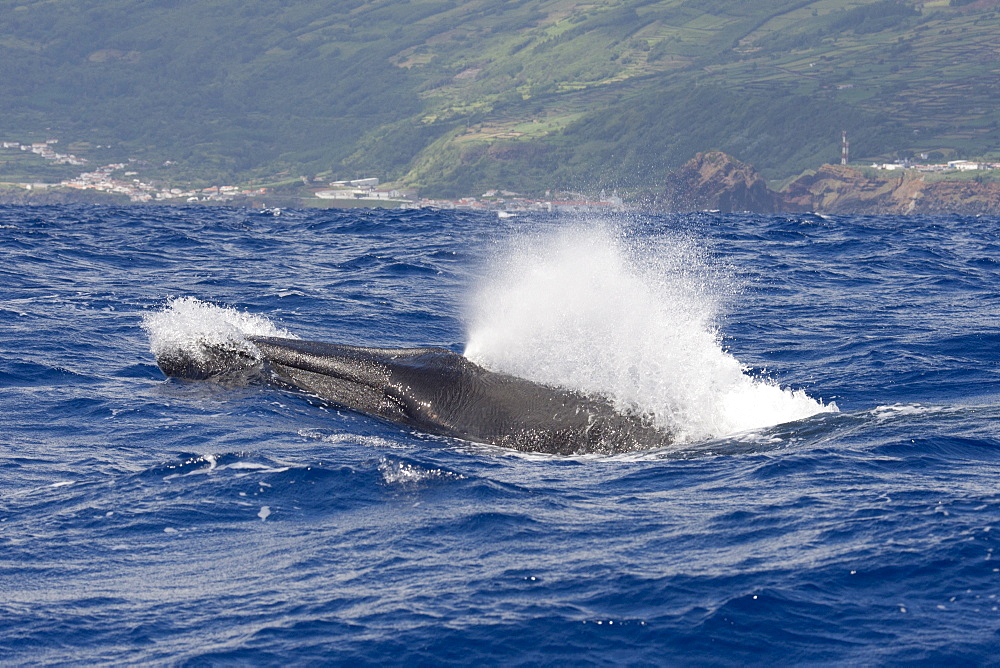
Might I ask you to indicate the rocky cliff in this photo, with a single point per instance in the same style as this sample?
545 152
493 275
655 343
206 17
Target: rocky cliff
717 181
840 189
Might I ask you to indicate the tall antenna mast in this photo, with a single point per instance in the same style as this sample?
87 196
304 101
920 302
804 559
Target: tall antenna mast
843 147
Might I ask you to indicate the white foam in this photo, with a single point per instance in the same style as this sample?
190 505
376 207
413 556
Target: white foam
585 309
884 413
190 325
402 473
342 439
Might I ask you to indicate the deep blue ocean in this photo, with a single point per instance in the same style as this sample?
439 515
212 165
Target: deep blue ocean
833 496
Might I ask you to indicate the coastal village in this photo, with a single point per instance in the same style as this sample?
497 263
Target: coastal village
122 179
108 180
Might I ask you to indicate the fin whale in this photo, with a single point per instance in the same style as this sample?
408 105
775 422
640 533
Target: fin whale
429 389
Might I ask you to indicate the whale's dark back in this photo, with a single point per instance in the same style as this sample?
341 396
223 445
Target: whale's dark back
438 391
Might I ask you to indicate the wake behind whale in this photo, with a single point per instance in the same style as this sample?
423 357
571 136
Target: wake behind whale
573 347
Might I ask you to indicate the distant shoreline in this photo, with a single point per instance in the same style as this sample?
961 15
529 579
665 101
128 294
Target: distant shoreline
716 181
711 181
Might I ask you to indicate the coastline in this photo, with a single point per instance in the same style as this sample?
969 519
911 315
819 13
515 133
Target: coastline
716 181
711 181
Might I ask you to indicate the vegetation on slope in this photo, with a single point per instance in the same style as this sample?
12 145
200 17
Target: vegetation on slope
529 95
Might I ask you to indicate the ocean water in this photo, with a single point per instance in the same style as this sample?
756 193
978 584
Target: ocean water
832 496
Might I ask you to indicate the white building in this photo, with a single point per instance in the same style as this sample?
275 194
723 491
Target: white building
964 165
356 183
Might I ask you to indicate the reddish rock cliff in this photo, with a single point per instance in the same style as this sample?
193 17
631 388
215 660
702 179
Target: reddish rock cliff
716 181
839 189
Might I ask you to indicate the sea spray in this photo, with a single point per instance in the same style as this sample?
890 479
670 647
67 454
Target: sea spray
582 307
190 326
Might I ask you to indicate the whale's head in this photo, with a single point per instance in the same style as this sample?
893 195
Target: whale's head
235 363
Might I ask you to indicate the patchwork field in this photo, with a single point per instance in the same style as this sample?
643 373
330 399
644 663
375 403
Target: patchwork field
526 95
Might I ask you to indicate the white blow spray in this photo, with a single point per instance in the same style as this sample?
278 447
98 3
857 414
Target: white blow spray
580 308
190 326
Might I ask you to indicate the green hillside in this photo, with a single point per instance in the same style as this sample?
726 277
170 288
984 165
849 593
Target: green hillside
454 97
